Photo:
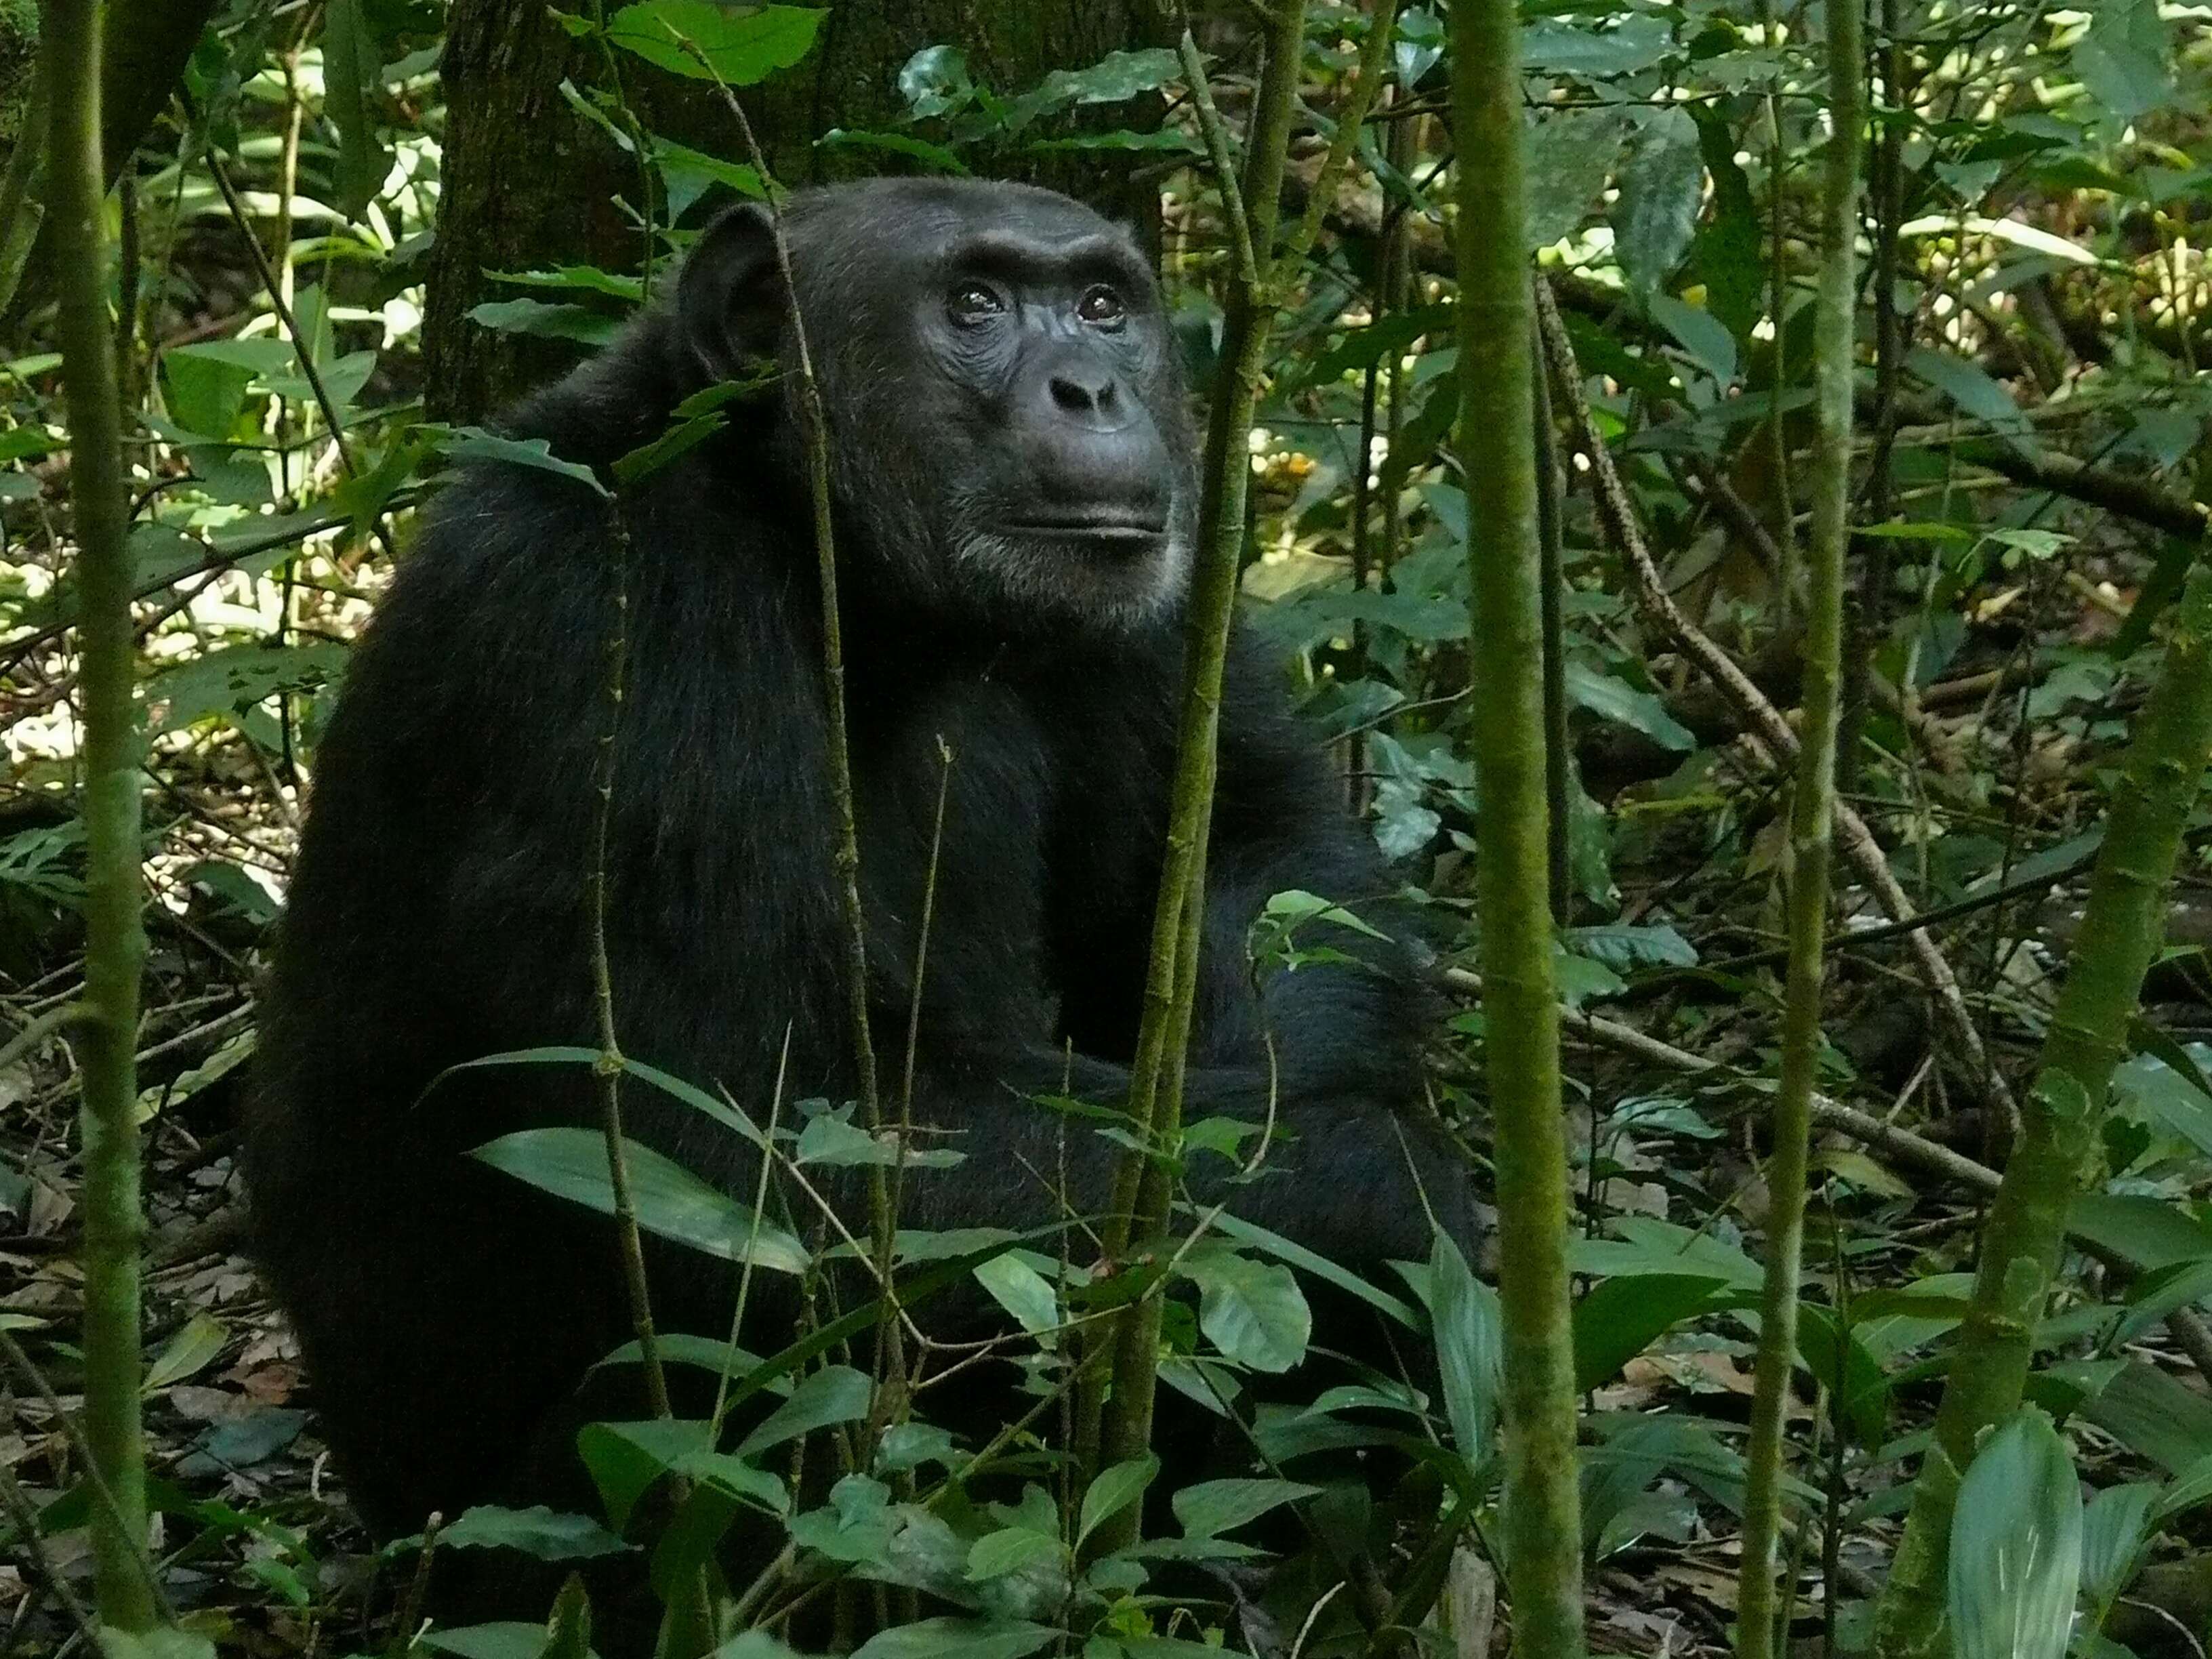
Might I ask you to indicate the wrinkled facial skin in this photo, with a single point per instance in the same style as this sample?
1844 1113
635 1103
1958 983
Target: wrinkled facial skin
1008 425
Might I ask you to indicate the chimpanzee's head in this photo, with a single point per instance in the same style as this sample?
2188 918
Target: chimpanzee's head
1008 437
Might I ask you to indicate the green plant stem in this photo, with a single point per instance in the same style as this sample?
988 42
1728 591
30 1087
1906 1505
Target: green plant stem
2061 1119
1110 1432
1224 475
609 1067
1498 459
1559 749
115 942
1265 278
814 435
1812 823
1777 287
1154 1094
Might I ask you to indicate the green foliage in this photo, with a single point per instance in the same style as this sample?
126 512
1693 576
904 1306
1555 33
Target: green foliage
2023 517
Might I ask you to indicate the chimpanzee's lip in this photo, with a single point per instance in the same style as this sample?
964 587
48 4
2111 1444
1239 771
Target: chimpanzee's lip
1101 525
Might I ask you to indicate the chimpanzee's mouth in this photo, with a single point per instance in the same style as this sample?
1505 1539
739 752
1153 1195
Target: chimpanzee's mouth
1111 526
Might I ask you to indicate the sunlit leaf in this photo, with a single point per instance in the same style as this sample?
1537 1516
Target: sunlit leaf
739 46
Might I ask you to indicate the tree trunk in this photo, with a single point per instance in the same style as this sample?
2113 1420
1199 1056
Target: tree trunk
528 183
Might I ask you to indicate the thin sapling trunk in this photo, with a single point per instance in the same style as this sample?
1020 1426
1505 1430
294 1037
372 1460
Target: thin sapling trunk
1762 1603
1497 447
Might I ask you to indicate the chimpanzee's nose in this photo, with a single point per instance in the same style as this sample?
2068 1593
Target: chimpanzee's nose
1086 390
1081 389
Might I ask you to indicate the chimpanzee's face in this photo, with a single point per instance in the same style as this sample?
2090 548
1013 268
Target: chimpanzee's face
1006 417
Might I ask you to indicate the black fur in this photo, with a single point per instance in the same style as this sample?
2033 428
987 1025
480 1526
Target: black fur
439 911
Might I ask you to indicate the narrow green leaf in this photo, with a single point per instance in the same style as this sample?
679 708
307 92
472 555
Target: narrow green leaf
2115 1530
200 1341
669 1200
350 81
1470 1349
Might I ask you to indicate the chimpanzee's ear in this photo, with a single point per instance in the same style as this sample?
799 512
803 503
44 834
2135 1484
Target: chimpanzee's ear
729 295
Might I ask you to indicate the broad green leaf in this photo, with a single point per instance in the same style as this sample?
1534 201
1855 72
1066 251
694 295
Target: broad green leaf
473 443
689 173
854 1526
2149 1412
537 1531
507 1639
1859 1385
1662 187
1213 1507
1115 78
1252 1311
1022 1291
835 1394
2016 1546
1174 140
2169 1098
162 1642
1729 251
1969 386
1113 1490
1562 45
25 443
206 389
669 1200
231 682
741 47
1418 46
2125 58
1294 905
1010 1549
2158 1293
627 1459
755 1645
1625 948
833 1138
569 1054
958 1638
2149 1232
1621 1317
1242 1231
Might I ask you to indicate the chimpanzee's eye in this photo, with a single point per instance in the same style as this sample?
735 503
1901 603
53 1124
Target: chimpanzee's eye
974 302
1101 307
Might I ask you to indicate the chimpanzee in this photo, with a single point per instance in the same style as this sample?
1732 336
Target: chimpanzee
1014 502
